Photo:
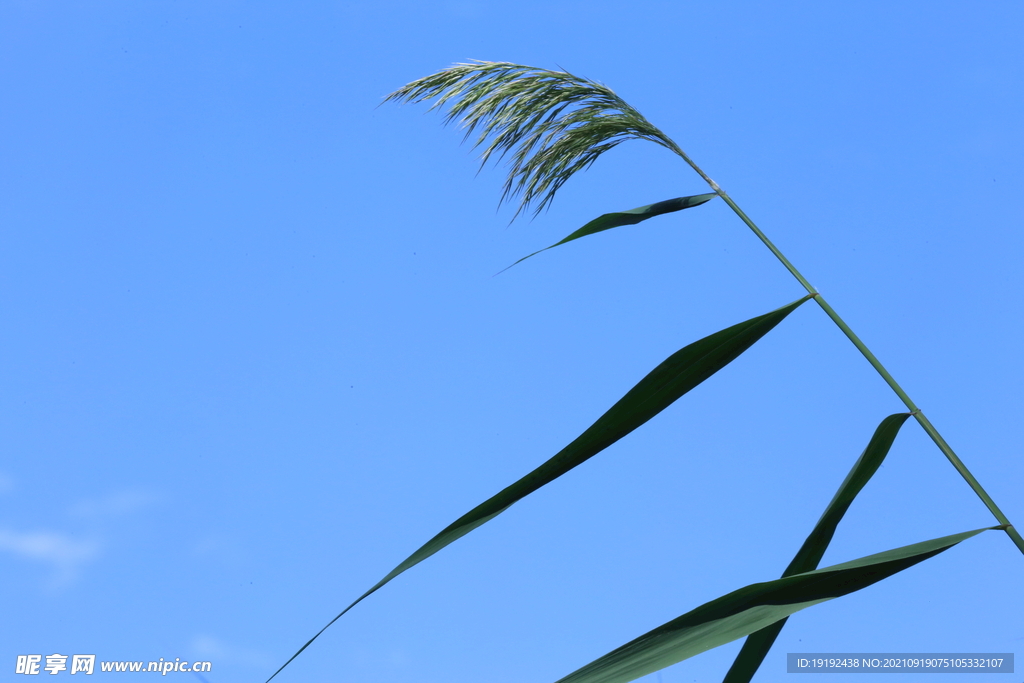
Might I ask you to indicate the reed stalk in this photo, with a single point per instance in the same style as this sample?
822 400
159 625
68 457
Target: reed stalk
918 414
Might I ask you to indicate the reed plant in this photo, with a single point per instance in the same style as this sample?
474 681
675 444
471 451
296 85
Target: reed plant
549 125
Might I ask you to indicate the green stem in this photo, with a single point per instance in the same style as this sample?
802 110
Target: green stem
875 363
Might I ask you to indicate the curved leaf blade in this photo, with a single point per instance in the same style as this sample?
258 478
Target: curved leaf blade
632 217
807 558
867 464
678 374
750 609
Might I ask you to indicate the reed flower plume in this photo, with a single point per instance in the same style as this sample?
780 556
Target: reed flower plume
552 122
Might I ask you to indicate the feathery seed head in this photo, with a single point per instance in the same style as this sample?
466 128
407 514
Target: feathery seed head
552 123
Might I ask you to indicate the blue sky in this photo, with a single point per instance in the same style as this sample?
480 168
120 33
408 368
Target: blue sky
253 355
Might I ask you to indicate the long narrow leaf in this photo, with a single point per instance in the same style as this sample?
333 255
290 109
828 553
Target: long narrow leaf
807 558
678 374
632 217
750 609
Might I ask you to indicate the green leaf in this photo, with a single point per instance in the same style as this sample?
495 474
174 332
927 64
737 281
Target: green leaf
807 558
631 217
678 374
750 609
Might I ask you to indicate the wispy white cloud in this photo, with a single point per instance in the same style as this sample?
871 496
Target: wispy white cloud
63 553
68 553
208 648
114 505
